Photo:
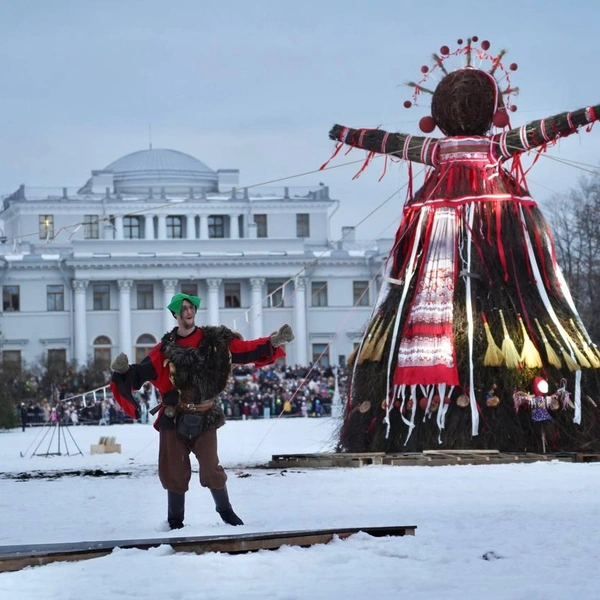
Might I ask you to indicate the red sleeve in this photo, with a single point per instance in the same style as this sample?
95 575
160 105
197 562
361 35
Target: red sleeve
258 351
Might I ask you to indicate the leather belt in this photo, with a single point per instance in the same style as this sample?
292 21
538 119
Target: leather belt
201 408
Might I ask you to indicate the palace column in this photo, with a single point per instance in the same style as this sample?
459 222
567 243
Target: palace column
148 227
191 227
213 301
125 317
169 287
256 307
162 227
234 227
118 228
203 227
80 286
300 345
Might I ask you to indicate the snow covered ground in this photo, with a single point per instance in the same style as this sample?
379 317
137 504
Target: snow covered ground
537 524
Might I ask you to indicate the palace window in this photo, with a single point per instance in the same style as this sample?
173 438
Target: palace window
11 298
191 289
132 228
102 351
319 293
302 226
46 227
143 345
261 225
174 227
91 228
360 293
11 361
101 296
233 294
57 360
216 226
320 355
275 294
145 296
55 297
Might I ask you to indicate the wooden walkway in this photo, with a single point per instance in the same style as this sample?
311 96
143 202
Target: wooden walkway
430 458
14 558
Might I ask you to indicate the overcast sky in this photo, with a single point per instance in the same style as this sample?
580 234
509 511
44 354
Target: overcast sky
256 85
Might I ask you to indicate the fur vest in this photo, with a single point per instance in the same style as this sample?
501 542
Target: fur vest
201 373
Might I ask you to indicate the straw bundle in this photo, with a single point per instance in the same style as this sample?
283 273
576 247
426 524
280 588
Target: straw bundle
493 354
530 356
553 358
509 350
569 361
590 354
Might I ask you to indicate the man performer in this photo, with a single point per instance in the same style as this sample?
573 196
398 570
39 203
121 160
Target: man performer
190 367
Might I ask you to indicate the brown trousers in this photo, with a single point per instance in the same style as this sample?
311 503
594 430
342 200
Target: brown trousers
174 468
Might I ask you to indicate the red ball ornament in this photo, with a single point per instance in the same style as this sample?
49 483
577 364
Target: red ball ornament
427 124
513 66
475 38
445 50
500 119
424 69
485 45
407 104
513 108
409 405
459 41
423 403
397 403
447 400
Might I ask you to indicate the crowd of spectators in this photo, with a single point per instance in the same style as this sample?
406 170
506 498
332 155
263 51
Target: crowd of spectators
251 394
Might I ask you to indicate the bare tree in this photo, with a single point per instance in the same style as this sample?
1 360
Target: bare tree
576 228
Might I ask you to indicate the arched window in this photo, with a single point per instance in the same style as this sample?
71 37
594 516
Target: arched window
102 350
143 345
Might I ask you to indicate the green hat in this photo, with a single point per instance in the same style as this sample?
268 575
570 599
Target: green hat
177 301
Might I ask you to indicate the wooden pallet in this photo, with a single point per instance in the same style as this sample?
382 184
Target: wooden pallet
349 459
14 558
425 458
587 457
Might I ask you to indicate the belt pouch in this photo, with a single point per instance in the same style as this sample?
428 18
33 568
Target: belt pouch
189 426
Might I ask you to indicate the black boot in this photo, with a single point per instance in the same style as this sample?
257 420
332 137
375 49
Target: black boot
223 506
176 510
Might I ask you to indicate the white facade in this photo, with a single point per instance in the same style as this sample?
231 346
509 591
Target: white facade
86 274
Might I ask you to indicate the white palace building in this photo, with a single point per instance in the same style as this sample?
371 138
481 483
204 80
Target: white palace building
86 274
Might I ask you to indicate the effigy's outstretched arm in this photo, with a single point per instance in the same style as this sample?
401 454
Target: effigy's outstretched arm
544 131
415 148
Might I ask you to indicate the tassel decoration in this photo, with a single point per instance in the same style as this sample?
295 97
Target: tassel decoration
509 350
380 344
589 353
553 358
493 355
367 350
581 359
571 364
530 356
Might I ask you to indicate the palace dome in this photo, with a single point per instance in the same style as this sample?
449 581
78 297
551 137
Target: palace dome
172 170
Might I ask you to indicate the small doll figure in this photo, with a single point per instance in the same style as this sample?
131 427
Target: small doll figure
540 402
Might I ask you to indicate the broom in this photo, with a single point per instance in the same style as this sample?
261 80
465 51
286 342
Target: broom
591 356
367 349
571 364
550 352
581 359
529 355
380 345
493 355
509 350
